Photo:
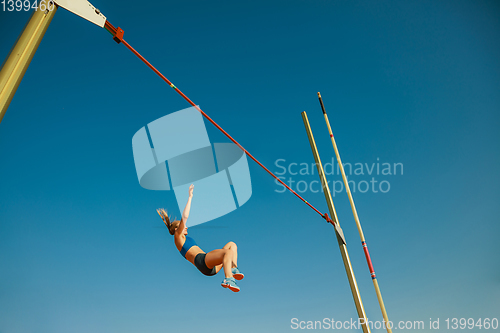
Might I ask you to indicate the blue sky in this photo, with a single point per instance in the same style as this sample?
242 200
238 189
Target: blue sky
83 250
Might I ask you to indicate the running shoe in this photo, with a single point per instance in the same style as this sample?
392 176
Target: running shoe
237 274
231 284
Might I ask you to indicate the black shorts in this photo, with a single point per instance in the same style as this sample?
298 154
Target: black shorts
199 262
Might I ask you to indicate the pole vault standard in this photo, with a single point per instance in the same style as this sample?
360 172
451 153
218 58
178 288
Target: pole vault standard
343 248
23 51
20 56
356 218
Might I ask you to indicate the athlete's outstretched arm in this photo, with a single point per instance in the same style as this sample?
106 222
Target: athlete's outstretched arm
185 214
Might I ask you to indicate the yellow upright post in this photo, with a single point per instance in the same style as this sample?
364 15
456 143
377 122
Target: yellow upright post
343 249
23 51
358 224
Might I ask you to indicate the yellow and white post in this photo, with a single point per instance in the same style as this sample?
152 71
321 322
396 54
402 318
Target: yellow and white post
23 51
356 218
20 56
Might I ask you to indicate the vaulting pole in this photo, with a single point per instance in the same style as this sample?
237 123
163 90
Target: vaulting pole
20 56
356 218
343 249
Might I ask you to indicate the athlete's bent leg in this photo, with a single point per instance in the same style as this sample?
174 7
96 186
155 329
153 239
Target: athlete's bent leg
220 256
232 246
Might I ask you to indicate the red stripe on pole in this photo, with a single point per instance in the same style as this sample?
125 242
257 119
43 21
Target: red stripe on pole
368 259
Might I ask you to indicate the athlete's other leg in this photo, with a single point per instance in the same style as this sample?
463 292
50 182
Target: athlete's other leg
232 246
236 272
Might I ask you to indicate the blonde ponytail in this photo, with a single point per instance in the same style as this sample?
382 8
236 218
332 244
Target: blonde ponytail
171 226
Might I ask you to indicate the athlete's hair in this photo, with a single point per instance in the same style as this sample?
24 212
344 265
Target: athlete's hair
172 226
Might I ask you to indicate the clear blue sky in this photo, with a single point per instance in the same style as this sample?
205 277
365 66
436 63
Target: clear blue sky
83 250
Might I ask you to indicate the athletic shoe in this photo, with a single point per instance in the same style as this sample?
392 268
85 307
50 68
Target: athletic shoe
237 274
231 284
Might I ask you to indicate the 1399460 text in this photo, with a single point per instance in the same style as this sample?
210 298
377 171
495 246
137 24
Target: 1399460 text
26 5
471 323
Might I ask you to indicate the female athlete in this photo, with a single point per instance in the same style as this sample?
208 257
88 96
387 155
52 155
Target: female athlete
207 263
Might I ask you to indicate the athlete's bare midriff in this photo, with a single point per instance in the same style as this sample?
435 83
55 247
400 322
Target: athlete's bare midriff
192 252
